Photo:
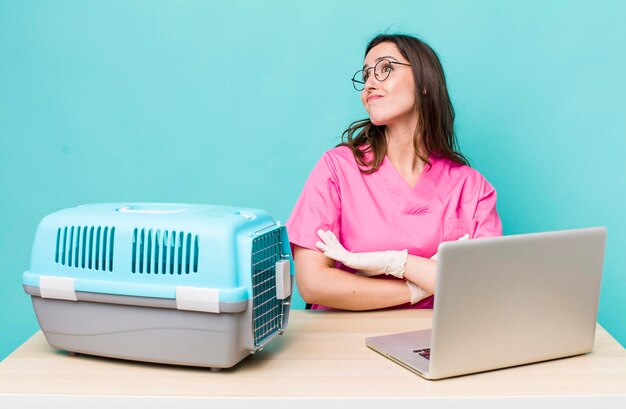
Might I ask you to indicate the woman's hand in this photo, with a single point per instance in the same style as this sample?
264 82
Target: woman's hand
389 262
464 237
417 292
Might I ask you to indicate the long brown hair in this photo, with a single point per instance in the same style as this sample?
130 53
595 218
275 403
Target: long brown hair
435 129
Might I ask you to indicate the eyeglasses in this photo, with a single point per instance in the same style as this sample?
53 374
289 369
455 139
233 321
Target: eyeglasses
382 70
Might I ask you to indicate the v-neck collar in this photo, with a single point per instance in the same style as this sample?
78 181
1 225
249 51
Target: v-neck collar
415 200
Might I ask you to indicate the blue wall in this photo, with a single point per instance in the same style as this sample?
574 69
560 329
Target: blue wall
234 102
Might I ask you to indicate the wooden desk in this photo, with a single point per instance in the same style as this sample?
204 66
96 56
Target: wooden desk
321 355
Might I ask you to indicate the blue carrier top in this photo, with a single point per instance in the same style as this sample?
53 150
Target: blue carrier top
159 250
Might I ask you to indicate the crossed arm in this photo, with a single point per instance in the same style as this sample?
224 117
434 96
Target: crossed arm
320 283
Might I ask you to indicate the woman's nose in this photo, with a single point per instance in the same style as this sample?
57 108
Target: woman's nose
371 82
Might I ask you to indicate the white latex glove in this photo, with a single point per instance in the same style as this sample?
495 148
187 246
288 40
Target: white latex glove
389 262
417 292
464 237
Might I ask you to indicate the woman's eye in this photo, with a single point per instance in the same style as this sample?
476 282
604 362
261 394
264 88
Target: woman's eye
386 67
366 75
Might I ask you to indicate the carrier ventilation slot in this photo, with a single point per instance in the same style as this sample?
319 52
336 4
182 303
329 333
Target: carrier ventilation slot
86 247
267 314
158 251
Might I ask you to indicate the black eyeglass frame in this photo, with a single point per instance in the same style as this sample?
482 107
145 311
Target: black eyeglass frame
355 81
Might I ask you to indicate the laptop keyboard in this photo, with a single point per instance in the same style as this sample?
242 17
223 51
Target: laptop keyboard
425 352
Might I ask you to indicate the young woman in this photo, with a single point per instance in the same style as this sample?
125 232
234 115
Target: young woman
366 227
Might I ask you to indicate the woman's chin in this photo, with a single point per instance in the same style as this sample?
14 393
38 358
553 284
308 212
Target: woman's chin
378 121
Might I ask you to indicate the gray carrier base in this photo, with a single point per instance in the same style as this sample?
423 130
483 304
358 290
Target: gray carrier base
151 330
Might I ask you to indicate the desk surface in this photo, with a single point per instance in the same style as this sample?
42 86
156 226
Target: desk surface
321 354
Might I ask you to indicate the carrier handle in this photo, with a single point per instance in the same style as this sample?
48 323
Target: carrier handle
155 210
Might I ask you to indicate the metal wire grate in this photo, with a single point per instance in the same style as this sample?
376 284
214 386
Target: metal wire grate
267 315
164 252
88 247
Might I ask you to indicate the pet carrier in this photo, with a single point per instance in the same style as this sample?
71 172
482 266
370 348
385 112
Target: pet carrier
183 284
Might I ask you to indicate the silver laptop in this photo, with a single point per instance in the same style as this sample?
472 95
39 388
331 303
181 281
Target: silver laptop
506 301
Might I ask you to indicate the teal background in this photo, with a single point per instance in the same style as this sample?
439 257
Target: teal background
234 102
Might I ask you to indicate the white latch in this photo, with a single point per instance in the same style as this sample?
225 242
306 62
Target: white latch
198 299
60 288
283 279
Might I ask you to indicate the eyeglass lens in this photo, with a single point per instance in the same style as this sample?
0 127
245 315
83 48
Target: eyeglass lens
382 69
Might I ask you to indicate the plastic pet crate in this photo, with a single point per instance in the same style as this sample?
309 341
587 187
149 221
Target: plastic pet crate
182 284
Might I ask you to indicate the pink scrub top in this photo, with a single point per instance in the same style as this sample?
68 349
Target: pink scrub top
380 211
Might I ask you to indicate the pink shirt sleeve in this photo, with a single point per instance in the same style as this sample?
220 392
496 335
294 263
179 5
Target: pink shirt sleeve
318 207
488 222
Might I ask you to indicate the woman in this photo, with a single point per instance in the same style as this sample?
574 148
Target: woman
380 203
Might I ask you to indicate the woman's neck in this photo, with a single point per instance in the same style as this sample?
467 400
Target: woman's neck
400 149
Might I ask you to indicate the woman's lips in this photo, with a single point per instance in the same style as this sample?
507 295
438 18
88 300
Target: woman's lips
373 97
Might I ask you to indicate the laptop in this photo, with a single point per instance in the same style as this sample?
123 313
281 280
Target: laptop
506 301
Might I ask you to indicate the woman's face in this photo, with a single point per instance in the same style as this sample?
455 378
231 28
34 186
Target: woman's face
392 100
